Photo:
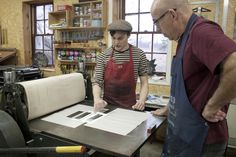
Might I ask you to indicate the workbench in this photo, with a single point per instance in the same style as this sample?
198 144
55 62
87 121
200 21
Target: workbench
99 140
8 56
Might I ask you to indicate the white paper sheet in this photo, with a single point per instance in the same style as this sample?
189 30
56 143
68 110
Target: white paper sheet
119 121
155 100
74 116
63 120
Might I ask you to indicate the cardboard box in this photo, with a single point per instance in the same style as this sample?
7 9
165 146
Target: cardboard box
63 7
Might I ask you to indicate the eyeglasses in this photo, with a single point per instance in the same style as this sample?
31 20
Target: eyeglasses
156 21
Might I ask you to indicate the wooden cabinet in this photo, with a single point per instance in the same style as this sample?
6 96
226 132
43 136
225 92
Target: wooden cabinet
73 53
69 56
90 14
77 32
85 21
60 19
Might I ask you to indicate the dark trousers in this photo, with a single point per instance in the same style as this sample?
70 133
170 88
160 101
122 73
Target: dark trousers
214 150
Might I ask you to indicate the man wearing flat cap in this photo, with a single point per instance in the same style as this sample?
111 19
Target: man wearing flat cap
118 69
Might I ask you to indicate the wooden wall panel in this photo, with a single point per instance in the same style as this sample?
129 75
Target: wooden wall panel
11 18
117 9
157 89
231 16
27 34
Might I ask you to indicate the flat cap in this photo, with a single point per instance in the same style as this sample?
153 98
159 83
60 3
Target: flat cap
120 25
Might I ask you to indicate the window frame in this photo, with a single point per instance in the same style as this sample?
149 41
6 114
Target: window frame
34 33
166 81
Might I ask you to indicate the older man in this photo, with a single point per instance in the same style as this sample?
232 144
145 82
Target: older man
203 81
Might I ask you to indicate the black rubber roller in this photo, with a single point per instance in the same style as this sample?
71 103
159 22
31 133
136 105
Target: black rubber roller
10 135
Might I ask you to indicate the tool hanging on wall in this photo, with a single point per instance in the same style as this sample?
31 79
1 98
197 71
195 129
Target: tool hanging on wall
3 36
0 35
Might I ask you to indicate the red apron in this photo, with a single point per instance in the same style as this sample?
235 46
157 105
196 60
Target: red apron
119 82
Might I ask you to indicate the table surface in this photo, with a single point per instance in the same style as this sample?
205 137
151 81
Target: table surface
6 54
102 141
232 142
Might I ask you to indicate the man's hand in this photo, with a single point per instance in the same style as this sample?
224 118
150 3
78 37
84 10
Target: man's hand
140 105
161 112
212 114
99 105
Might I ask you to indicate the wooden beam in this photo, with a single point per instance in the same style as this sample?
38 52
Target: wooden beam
27 33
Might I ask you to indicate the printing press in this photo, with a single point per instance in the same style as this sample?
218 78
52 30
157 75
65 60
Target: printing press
22 73
31 123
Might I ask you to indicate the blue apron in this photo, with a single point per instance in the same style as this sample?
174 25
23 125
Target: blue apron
186 131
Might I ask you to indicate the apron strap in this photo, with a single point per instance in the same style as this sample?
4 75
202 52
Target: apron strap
186 34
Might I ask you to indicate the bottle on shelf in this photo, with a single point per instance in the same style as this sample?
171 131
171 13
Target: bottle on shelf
81 65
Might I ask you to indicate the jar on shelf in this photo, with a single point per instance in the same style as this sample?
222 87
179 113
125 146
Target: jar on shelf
96 23
87 23
77 10
76 22
98 6
81 23
86 10
81 12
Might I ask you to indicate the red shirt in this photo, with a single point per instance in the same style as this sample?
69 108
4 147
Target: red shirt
205 49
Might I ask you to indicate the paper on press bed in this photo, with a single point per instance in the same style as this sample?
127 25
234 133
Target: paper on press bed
74 116
119 121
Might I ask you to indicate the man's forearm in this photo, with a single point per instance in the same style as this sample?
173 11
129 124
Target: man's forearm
96 92
143 88
226 90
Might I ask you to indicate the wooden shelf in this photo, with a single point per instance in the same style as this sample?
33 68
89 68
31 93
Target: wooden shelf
74 62
57 17
69 36
75 46
81 11
97 10
58 13
5 55
77 28
78 16
8 56
90 63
